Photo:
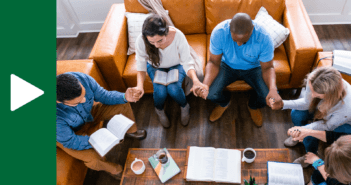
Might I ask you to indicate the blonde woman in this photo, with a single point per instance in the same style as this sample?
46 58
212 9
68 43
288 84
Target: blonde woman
336 167
326 102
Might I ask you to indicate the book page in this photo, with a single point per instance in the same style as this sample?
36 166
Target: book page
172 76
342 61
200 164
228 165
160 77
119 125
103 140
285 174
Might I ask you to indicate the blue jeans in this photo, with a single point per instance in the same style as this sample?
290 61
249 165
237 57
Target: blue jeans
301 118
228 75
174 89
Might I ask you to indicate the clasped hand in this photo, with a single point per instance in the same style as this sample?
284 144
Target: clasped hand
274 101
298 133
200 89
134 94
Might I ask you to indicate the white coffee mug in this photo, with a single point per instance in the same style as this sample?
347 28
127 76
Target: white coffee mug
246 159
138 166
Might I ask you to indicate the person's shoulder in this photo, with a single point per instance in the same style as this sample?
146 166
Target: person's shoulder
178 34
77 74
347 87
260 32
139 40
62 113
223 26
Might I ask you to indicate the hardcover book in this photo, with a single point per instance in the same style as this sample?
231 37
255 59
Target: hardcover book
104 139
280 173
166 78
211 164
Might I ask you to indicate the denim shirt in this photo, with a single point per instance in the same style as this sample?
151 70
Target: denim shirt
70 119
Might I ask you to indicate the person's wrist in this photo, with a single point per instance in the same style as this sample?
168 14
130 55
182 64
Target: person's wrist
273 89
317 163
124 98
139 86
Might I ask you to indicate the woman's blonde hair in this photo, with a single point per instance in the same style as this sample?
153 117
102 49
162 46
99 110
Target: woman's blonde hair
338 160
327 81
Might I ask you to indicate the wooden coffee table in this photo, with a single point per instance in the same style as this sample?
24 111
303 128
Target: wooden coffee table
257 169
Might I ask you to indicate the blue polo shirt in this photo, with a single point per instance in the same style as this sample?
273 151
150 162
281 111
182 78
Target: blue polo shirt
259 48
70 119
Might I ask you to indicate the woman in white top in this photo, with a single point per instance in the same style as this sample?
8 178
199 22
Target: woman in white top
163 48
327 103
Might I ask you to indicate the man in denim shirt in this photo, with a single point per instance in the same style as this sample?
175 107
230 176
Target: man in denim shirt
76 93
240 49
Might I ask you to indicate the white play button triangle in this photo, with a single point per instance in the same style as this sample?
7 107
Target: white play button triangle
22 92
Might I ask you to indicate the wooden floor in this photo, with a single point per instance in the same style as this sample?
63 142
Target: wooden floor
234 130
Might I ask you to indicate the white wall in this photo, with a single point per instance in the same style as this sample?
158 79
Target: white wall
74 16
329 11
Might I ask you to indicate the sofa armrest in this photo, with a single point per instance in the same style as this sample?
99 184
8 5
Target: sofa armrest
110 48
302 44
69 171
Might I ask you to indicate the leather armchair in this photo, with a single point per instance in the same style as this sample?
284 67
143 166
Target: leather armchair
196 19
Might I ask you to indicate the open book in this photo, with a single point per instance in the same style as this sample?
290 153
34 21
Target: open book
166 78
210 164
342 61
104 139
284 173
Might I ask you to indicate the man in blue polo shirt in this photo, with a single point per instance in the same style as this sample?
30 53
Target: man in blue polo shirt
240 49
77 117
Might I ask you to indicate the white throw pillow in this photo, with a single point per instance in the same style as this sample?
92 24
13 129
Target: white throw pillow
277 31
135 23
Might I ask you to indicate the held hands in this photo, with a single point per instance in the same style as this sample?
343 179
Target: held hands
298 133
134 94
310 158
274 101
200 89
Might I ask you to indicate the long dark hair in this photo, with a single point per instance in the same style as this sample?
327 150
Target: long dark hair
154 25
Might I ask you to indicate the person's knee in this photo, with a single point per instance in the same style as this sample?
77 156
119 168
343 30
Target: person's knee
174 89
298 117
213 96
160 91
93 161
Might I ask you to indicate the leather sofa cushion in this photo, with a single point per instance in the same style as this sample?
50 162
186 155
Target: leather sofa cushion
70 171
87 66
281 66
196 41
220 10
188 16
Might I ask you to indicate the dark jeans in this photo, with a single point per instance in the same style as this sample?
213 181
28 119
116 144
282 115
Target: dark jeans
301 118
174 89
228 75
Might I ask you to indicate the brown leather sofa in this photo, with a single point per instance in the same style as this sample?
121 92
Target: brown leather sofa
196 19
71 171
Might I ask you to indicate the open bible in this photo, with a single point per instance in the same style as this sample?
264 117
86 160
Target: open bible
280 173
211 164
166 78
104 139
342 61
